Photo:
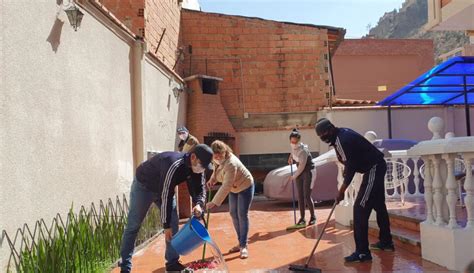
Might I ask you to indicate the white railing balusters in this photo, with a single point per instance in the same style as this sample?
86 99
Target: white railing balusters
452 187
469 188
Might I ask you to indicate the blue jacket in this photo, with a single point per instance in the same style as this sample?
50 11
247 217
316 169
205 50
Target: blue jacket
163 172
355 152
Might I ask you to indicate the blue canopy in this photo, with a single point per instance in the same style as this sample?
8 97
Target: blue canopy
449 83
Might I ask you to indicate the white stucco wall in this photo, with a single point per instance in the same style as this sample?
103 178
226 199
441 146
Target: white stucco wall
162 111
407 123
269 142
460 120
65 114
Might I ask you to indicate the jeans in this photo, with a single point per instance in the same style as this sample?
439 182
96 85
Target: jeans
239 205
140 201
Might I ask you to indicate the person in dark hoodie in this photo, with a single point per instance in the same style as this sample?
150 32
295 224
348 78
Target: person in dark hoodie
359 155
154 182
303 177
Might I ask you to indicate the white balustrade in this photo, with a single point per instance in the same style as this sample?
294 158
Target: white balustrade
469 188
428 185
452 187
438 189
446 161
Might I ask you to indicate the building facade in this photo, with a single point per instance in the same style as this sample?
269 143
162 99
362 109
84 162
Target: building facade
372 69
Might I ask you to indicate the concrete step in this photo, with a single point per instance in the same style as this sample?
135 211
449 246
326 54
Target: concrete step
403 222
406 239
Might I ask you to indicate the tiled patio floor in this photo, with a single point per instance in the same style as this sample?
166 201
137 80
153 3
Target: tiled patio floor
272 248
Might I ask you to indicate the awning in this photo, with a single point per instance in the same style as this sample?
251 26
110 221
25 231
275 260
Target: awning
449 83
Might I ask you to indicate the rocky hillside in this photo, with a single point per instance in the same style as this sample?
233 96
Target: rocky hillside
408 22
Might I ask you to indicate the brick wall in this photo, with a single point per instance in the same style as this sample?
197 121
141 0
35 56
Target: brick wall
160 15
360 66
130 12
445 2
149 18
206 114
267 66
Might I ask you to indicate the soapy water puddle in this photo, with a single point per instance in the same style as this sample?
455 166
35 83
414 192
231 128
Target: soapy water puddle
214 264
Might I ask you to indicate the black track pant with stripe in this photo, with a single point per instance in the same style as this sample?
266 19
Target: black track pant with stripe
371 196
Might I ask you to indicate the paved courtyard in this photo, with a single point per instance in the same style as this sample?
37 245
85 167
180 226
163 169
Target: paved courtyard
272 248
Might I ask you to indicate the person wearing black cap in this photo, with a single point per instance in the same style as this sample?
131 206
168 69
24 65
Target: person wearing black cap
359 155
154 182
187 141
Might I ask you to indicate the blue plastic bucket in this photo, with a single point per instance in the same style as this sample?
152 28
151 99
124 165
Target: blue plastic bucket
190 236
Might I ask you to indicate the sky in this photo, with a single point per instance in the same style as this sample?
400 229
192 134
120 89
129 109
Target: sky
353 15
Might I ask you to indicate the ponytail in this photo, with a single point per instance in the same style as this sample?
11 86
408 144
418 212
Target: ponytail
295 133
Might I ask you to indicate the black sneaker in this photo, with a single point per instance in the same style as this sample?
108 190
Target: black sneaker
122 270
358 257
312 221
301 222
381 246
177 267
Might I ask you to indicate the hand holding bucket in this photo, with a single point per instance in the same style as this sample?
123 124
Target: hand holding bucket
190 236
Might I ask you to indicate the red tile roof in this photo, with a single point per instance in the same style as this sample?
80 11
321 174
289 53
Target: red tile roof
351 102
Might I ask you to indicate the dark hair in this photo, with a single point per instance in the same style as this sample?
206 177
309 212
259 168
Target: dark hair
295 133
470 268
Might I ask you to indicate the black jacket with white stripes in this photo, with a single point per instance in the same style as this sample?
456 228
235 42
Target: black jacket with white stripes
161 174
355 152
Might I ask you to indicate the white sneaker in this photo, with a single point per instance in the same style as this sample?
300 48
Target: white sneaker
244 253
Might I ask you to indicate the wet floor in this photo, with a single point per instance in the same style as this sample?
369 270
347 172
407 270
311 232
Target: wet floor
272 248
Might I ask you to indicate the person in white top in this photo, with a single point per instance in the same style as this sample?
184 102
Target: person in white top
303 177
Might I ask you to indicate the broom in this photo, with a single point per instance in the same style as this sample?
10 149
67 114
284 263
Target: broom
305 268
206 223
295 226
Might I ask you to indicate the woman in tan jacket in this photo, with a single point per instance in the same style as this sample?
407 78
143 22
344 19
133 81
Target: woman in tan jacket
237 182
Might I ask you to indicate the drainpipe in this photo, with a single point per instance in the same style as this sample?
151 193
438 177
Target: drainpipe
136 58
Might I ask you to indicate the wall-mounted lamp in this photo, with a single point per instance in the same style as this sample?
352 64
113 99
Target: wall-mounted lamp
75 16
177 92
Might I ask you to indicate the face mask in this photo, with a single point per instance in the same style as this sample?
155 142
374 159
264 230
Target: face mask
294 146
183 136
220 161
325 138
198 168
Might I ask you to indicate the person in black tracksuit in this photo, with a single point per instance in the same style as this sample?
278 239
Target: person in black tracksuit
359 155
154 182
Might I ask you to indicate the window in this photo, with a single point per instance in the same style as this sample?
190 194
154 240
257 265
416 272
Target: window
209 86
